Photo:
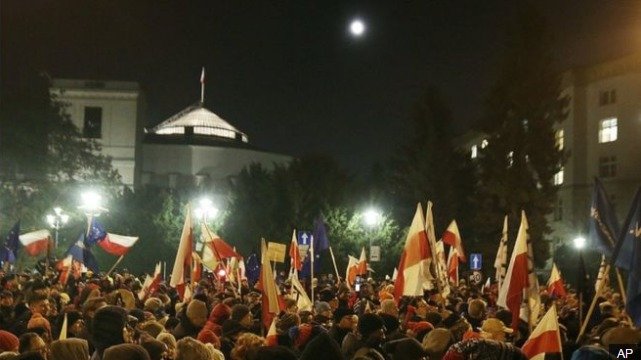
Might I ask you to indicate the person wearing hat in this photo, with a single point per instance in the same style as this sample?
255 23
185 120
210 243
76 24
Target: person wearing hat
8 342
126 352
192 319
70 349
41 326
494 329
405 349
437 341
370 337
109 327
389 314
344 323
323 313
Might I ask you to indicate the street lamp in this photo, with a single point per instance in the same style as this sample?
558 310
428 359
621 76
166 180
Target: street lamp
57 220
579 244
205 210
372 218
91 204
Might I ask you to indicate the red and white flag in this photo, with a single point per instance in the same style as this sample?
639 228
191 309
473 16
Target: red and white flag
519 291
36 242
545 339
452 237
271 303
414 265
294 255
500 263
362 263
117 245
556 287
442 270
151 283
452 266
183 260
352 270
272 335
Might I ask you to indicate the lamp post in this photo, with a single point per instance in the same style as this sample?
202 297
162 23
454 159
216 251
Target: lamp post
57 220
579 244
372 218
204 212
91 204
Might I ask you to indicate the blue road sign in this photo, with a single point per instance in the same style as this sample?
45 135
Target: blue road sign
476 261
304 237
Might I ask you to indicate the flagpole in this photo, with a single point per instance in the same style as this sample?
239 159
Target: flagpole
338 277
202 87
116 264
592 305
311 268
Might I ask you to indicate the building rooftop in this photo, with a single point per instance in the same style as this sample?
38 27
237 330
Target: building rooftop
198 120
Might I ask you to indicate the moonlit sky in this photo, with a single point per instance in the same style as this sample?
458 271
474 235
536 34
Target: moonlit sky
289 74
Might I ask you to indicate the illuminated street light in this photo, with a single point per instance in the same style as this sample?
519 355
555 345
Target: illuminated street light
372 217
57 220
91 203
205 210
357 28
579 242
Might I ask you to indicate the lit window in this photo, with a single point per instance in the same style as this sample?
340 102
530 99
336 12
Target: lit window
607 166
558 177
475 151
510 158
559 140
607 97
484 143
608 130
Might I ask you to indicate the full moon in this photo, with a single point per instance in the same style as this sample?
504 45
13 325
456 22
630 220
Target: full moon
357 27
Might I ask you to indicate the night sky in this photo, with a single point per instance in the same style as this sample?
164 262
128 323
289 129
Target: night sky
288 73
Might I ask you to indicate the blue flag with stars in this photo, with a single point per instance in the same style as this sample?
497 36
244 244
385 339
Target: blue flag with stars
628 256
80 252
9 251
96 233
321 242
604 227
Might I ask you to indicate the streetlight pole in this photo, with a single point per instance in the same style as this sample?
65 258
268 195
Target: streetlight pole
57 220
372 218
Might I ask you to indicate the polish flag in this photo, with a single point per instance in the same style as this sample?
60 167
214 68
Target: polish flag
36 242
413 268
452 266
217 246
545 339
117 245
294 255
352 270
271 302
64 267
519 290
452 237
362 263
556 286
272 335
183 257
197 268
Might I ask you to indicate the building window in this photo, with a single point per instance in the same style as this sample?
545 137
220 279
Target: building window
559 140
607 97
607 166
608 130
93 122
484 143
558 177
475 151
510 159
558 210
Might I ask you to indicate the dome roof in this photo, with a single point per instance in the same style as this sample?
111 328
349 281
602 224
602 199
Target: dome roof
202 122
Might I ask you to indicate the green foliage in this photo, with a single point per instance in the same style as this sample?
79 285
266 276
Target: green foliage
518 165
428 167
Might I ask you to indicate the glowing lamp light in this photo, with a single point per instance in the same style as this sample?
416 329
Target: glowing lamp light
579 242
91 201
222 273
372 217
206 209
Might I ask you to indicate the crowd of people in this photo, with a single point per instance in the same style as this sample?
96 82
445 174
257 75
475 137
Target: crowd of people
106 319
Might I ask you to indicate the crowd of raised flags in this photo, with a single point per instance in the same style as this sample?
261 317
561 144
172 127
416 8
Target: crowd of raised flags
428 269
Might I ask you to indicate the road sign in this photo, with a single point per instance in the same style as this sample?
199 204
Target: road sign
374 253
304 237
476 277
476 261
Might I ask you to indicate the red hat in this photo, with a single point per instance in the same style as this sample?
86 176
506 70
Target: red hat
8 341
220 313
207 336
